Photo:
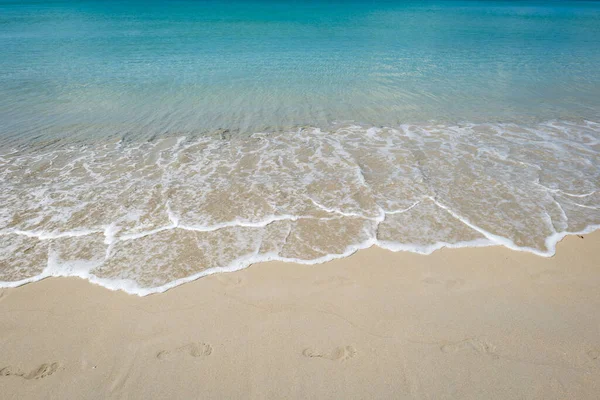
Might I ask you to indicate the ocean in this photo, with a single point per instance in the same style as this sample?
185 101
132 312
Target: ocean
144 144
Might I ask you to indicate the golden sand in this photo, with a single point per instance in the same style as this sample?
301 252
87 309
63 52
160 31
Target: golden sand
473 323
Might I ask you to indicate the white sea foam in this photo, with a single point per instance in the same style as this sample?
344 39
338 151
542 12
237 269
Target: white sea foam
145 217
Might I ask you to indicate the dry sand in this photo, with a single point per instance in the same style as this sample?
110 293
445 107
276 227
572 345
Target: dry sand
485 323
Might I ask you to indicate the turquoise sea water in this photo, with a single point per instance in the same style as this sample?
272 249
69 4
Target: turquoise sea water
74 69
147 143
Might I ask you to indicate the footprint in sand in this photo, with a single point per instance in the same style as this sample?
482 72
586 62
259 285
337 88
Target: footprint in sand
447 283
594 354
334 281
338 354
547 276
193 350
40 372
229 279
472 345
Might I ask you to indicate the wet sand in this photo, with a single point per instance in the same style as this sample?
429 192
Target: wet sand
471 323
147 216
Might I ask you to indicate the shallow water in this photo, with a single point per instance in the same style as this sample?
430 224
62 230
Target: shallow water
82 70
147 144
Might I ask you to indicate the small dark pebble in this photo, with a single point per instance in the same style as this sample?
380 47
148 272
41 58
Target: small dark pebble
580 237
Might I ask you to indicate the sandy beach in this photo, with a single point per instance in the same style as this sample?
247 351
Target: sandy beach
257 199
473 323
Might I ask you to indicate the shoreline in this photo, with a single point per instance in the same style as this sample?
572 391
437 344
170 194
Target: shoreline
122 286
126 286
460 323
